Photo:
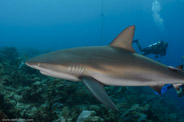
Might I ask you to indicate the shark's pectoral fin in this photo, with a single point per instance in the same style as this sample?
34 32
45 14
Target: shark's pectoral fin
98 91
157 88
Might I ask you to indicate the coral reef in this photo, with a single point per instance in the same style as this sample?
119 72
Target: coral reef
26 94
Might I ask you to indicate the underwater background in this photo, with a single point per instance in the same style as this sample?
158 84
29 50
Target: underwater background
32 27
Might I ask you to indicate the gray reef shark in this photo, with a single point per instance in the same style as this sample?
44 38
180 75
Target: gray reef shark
116 64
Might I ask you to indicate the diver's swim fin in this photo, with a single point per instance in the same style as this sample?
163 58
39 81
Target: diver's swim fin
98 91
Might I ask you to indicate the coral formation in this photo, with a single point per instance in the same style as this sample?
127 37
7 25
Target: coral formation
26 94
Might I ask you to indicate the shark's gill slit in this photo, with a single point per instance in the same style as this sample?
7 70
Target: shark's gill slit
75 69
81 69
71 69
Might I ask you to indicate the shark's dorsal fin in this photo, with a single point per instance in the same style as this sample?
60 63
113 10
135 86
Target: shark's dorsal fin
124 39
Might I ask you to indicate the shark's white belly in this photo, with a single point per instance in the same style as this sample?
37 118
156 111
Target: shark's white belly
121 82
140 79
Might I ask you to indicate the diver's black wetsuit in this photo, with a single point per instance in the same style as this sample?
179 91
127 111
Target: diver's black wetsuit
158 48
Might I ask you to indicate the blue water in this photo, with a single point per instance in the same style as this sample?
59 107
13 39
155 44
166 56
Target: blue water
60 24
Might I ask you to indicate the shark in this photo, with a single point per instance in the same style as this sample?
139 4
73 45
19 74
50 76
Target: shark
116 64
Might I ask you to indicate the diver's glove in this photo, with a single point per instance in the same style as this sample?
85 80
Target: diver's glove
180 92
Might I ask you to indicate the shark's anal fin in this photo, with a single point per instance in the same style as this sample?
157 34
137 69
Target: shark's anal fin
177 86
98 91
157 88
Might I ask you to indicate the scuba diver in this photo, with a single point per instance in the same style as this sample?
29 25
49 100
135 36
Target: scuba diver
159 48
178 87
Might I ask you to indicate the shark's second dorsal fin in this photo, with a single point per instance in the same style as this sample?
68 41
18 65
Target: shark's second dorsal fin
179 69
124 39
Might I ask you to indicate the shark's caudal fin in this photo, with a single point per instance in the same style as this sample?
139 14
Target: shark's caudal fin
124 39
98 91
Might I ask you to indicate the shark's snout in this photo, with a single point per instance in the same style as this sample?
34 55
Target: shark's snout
32 63
35 61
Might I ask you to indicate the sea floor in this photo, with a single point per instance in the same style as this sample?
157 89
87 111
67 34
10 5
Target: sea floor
27 95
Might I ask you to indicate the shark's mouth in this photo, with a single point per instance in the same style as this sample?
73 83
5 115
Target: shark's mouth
59 75
52 73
